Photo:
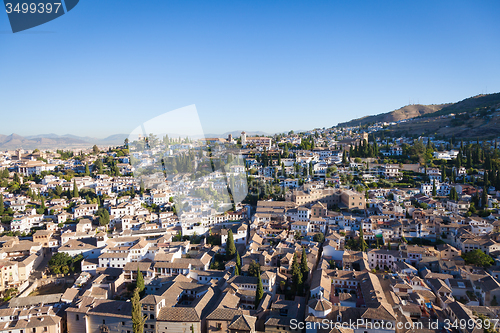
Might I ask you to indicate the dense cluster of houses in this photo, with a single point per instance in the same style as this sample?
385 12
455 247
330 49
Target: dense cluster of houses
366 261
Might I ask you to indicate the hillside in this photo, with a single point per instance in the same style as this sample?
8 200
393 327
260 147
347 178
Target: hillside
406 112
474 117
476 103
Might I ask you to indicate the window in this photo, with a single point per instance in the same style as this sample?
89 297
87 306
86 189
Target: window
45 329
151 316
77 317
103 321
219 326
123 323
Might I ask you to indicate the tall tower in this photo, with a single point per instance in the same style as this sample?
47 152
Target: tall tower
243 138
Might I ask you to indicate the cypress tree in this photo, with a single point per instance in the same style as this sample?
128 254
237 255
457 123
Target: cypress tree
1 204
434 192
87 170
75 189
259 292
140 281
137 319
238 262
230 247
303 265
296 273
362 243
484 197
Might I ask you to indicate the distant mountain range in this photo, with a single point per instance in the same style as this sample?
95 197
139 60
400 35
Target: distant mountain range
237 134
406 112
52 141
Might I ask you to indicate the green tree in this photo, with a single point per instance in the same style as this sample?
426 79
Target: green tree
434 193
319 237
59 190
95 149
1 204
87 170
75 190
362 243
41 210
238 263
259 292
303 265
140 281
484 197
478 258
138 319
103 216
296 275
254 268
230 247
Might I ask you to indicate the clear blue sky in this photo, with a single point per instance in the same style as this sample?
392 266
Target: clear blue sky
109 65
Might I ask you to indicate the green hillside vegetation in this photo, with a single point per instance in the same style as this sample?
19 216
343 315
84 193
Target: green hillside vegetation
479 103
406 112
471 118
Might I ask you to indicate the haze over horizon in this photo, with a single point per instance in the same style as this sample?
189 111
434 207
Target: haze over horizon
255 66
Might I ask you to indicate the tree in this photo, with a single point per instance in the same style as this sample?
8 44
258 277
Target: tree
303 265
230 247
478 258
41 210
140 281
259 292
484 197
87 170
59 190
434 192
1 204
238 263
95 149
254 269
103 216
296 274
237 270
362 243
138 319
319 237
75 193
453 194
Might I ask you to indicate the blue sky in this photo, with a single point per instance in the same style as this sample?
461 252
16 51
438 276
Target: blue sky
109 65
